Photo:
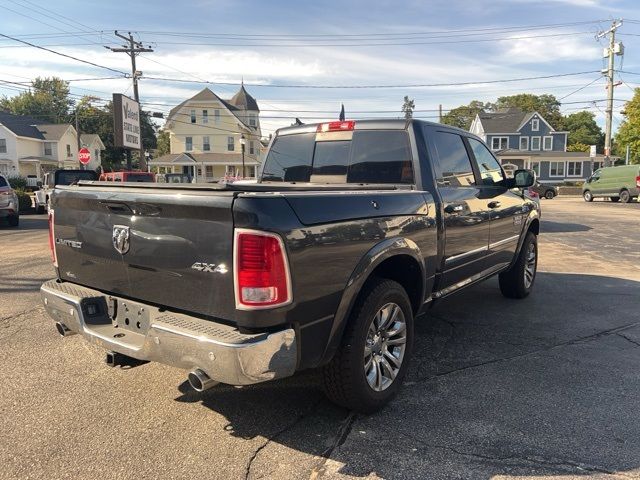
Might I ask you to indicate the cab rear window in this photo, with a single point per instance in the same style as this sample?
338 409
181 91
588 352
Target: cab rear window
371 156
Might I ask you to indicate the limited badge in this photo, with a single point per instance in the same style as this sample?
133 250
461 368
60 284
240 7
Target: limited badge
517 219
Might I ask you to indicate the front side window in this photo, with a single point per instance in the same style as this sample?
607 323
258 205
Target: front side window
499 143
3 145
556 169
205 116
193 116
574 169
524 143
231 144
206 146
535 143
547 143
188 144
455 165
490 170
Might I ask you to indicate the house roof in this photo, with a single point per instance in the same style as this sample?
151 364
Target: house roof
513 152
20 125
243 100
89 138
53 131
505 120
218 158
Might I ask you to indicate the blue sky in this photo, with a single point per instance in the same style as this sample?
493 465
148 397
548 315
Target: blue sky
327 43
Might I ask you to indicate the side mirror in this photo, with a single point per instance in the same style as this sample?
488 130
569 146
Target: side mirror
524 178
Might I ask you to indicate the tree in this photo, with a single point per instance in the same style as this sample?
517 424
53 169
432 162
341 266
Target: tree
463 116
47 101
164 146
407 107
546 105
629 130
579 147
583 130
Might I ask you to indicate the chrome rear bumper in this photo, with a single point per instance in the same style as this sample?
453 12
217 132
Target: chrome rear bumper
182 341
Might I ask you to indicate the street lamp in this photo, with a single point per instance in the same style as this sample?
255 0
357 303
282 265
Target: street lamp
243 141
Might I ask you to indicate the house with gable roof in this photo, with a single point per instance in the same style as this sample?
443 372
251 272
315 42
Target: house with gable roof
206 137
522 139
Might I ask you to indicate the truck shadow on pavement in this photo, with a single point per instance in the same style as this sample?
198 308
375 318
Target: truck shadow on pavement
548 385
563 227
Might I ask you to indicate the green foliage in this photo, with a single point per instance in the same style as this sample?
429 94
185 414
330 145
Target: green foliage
407 107
47 101
546 105
17 182
24 200
463 116
578 147
629 131
164 143
583 129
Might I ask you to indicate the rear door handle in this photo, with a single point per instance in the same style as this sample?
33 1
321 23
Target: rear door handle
453 208
494 204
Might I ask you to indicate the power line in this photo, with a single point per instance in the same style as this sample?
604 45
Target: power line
63 54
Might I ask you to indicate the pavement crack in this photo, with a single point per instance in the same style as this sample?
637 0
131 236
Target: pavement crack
21 314
344 429
283 430
622 335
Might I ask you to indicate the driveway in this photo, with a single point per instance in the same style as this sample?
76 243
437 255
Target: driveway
546 387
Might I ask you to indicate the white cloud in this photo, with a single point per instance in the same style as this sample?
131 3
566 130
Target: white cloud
550 50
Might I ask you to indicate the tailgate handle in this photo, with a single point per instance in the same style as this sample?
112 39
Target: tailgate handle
117 207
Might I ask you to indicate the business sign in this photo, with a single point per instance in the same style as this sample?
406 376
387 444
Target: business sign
592 151
84 155
126 122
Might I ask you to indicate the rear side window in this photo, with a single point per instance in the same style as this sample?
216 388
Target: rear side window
371 156
3 182
455 165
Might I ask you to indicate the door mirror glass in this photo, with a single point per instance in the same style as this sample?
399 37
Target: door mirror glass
524 178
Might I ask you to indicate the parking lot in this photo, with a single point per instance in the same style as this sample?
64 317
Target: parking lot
547 387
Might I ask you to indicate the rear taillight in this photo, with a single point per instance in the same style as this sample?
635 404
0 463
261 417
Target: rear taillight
340 126
52 239
638 181
261 270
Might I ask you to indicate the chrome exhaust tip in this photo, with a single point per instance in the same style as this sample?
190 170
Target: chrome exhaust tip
63 330
200 381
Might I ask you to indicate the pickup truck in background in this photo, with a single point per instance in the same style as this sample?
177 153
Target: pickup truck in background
59 177
354 229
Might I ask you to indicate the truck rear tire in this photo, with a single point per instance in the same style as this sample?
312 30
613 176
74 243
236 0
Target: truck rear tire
517 282
368 369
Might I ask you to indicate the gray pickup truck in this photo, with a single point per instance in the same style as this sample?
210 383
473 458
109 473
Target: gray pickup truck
354 229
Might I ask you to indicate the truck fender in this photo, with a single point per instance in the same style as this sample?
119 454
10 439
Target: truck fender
533 216
373 258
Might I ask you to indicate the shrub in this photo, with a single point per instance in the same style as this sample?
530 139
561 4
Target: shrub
17 182
24 200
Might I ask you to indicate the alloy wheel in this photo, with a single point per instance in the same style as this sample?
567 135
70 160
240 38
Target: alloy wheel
530 264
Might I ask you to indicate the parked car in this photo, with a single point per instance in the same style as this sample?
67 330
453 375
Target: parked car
59 177
9 205
132 176
353 230
544 191
617 183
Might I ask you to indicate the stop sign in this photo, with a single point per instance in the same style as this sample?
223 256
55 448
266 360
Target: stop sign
84 155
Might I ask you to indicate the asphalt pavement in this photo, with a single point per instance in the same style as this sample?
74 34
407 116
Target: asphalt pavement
546 387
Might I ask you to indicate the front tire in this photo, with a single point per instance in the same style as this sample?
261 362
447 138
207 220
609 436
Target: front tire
368 369
517 282
587 195
549 194
625 196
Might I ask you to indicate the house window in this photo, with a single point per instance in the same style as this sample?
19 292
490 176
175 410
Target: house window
535 143
251 171
230 144
205 116
209 170
535 125
216 114
252 149
556 169
193 116
3 145
205 144
69 155
199 172
47 149
230 170
252 121
547 144
188 144
499 143
96 154
597 165
574 169
524 143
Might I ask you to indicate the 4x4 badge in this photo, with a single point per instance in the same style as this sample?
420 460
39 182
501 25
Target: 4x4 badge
120 238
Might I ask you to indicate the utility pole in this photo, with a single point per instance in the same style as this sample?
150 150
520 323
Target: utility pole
132 49
78 137
610 52
440 113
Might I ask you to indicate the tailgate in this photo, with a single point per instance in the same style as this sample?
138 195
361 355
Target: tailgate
167 247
